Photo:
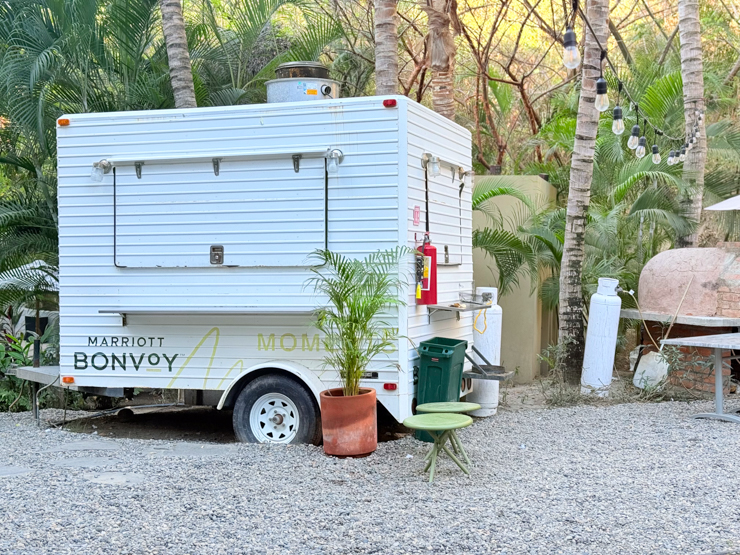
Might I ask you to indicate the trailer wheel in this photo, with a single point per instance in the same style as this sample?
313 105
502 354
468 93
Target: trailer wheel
276 409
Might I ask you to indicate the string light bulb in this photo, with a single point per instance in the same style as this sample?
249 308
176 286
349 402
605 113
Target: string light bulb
656 155
671 158
682 154
618 123
571 56
633 141
602 98
640 150
697 133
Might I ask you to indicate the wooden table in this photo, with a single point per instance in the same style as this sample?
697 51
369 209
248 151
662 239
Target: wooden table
718 343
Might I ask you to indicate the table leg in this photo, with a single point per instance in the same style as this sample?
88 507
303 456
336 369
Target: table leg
429 460
457 461
460 447
440 444
718 389
432 454
718 413
441 437
433 460
453 443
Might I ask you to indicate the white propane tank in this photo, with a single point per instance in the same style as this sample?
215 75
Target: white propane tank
485 392
601 338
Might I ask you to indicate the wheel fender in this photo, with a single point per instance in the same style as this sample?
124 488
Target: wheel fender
305 375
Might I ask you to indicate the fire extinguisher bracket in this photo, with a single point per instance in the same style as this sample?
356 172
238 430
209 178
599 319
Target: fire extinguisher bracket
426 273
469 307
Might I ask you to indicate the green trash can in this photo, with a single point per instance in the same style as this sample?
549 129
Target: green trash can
440 373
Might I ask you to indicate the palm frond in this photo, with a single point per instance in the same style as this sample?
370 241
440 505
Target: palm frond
358 293
513 256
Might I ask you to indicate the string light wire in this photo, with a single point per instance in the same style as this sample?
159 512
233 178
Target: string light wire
622 87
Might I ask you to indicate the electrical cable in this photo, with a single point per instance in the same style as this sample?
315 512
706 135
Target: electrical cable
37 396
23 386
605 56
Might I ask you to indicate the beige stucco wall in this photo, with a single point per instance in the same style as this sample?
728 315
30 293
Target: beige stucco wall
527 328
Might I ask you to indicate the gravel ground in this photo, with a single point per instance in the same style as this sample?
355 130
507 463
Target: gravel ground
627 479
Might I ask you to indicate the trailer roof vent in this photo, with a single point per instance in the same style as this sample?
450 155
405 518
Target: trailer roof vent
301 81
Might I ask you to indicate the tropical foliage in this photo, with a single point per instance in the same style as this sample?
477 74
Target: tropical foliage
104 55
359 294
635 207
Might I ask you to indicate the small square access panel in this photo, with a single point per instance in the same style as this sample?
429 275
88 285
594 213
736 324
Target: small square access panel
217 254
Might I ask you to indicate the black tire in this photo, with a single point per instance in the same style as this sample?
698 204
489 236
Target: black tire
308 428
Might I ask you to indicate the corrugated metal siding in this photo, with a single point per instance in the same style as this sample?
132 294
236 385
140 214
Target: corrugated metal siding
362 206
431 133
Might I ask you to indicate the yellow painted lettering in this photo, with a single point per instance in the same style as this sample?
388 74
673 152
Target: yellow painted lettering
282 342
306 345
263 345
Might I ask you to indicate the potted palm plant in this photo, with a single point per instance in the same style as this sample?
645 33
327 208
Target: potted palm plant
358 292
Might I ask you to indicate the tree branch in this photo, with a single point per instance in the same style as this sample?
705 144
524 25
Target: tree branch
620 43
733 72
667 46
556 87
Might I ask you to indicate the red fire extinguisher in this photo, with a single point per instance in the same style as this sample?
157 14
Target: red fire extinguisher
426 273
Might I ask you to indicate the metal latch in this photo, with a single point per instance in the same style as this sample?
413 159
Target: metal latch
447 254
217 254
137 166
297 162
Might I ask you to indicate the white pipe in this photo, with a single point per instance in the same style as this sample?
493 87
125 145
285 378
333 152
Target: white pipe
485 392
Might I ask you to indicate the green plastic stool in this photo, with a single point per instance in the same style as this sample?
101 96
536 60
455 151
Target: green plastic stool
451 407
440 426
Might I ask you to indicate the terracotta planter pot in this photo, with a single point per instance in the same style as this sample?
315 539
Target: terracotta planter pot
350 424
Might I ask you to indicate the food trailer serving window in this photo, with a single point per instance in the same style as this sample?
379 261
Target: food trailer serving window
230 210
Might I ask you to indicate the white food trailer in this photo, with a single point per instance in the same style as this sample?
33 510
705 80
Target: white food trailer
184 256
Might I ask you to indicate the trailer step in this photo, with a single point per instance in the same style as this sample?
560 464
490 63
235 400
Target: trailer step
486 371
487 374
44 374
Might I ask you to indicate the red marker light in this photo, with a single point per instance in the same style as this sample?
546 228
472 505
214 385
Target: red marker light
68 380
63 122
390 386
389 103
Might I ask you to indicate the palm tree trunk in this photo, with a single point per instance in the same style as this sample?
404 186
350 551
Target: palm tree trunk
442 55
181 73
693 99
386 47
570 312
